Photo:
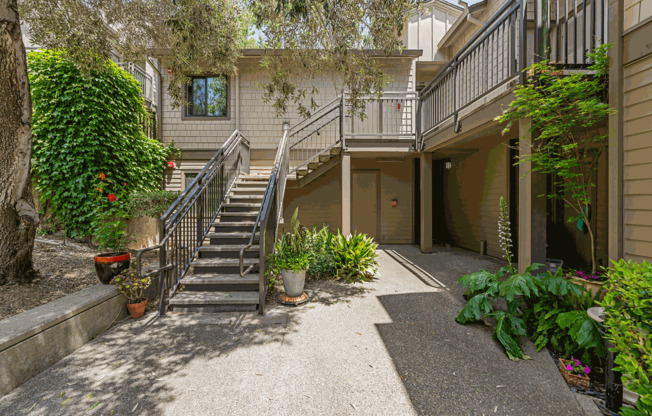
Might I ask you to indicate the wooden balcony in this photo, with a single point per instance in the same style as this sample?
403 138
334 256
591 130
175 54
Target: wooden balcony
478 83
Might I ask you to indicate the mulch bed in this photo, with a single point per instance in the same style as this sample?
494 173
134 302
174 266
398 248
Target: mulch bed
64 266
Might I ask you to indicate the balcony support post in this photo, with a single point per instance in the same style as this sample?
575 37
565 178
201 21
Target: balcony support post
346 193
531 206
425 179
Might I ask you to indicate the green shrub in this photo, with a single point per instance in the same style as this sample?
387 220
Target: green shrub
354 257
321 254
290 253
152 203
109 220
628 318
83 126
548 307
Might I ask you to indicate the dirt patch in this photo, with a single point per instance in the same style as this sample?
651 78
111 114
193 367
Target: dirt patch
64 268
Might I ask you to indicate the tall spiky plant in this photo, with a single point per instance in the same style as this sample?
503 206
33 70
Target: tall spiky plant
505 233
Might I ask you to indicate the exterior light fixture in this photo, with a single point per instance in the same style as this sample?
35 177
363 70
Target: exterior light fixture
448 165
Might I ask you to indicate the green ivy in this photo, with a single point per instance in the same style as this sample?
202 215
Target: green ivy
82 126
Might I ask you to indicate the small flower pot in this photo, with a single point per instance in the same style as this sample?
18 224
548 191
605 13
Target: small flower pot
573 379
293 282
591 285
108 265
136 310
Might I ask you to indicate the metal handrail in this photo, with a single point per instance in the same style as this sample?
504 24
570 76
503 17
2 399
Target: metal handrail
185 224
272 199
466 77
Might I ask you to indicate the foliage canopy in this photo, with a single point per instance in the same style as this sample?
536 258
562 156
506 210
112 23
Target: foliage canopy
569 130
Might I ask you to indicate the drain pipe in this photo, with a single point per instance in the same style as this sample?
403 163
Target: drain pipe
612 379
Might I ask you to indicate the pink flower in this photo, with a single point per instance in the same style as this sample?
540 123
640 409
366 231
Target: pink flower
586 370
577 362
569 367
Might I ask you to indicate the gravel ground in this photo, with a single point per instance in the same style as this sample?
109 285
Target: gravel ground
386 347
64 268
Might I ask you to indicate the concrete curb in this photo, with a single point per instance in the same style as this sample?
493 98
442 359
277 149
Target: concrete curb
33 340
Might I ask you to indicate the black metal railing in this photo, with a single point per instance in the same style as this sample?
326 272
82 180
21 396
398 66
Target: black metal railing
561 31
315 135
490 59
269 215
184 226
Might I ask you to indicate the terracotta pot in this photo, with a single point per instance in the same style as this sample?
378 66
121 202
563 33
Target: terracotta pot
136 310
573 379
593 286
108 265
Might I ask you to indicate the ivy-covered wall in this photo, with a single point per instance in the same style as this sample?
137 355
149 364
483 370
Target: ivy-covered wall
84 125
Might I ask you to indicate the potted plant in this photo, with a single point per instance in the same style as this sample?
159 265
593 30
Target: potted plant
109 229
132 287
591 282
291 258
574 373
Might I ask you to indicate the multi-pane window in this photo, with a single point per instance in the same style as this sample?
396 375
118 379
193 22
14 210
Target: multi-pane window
207 97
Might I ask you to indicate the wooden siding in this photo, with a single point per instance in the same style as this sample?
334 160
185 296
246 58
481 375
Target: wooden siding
637 145
472 190
174 177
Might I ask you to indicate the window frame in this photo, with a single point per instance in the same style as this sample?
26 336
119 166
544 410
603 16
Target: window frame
186 106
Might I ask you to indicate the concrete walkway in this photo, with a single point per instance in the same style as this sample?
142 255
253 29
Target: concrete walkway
389 347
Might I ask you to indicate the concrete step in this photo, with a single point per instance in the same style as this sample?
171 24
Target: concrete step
248 216
241 207
249 184
221 282
227 251
258 178
222 265
247 191
232 238
214 301
245 198
228 226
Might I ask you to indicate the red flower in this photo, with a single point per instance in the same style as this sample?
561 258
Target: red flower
111 197
102 176
125 184
99 189
170 164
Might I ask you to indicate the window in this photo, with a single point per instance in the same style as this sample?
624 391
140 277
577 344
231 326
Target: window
207 97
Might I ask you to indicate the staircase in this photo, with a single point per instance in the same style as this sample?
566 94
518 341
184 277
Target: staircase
213 283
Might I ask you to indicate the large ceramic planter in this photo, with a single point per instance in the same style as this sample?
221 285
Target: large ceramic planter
593 286
573 379
109 265
136 310
293 282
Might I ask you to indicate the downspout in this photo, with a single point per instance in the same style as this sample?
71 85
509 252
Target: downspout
237 102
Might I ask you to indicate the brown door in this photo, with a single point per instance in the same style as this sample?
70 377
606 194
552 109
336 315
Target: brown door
364 187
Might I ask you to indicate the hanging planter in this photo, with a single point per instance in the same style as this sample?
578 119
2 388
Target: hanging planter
109 265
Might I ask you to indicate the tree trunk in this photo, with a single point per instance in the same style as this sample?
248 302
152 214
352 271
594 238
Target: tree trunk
18 218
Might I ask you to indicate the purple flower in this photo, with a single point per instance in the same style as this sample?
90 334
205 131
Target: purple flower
587 370
569 367
577 362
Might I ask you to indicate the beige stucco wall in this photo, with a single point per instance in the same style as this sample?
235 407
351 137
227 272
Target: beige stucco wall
320 202
472 190
637 170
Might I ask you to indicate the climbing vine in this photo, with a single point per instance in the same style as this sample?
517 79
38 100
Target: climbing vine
84 125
